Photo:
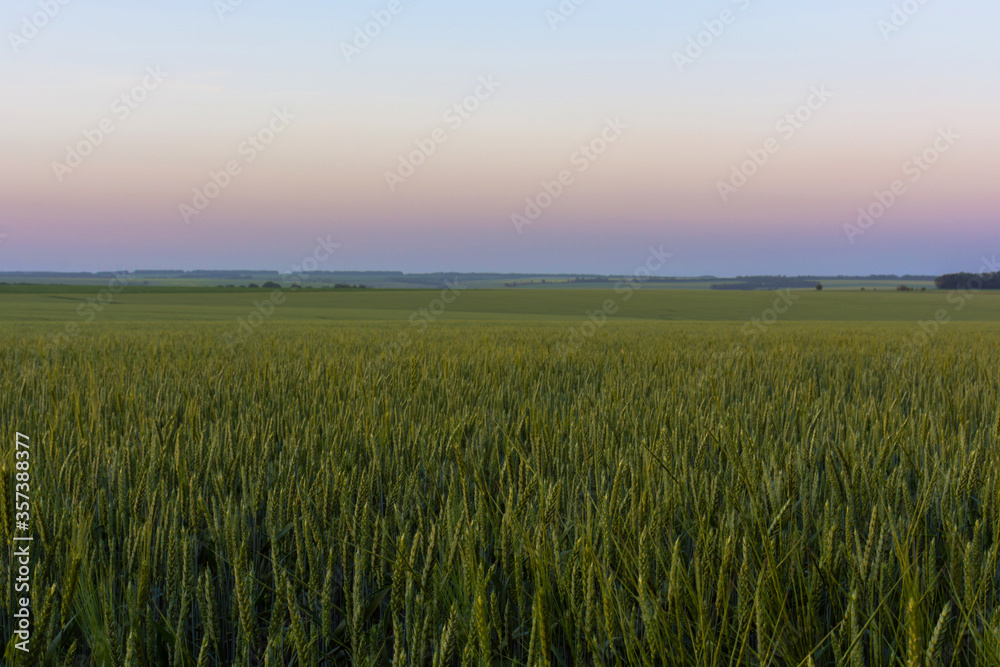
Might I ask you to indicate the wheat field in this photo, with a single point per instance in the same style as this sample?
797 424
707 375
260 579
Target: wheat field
661 495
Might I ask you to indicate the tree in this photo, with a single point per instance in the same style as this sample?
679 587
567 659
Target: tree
968 281
819 287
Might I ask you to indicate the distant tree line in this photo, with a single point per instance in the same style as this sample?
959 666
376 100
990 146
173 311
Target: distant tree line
965 281
769 283
273 285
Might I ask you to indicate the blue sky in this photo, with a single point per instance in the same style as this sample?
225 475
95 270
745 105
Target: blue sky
688 130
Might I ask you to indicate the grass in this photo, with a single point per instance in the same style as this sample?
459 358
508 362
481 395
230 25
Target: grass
664 494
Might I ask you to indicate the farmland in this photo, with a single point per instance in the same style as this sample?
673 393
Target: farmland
343 487
60 304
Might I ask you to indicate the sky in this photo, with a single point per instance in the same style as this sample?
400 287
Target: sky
739 136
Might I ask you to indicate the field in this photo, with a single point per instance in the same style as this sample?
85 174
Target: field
82 305
345 485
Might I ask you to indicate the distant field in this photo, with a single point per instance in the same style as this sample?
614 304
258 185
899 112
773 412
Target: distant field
79 304
845 284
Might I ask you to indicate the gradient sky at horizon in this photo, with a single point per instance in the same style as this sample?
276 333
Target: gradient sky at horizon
324 176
